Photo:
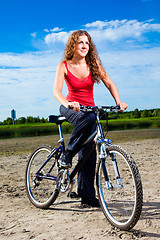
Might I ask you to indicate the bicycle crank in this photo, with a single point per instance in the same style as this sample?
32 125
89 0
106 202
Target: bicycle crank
63 180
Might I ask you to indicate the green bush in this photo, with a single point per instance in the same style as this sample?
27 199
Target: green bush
42 129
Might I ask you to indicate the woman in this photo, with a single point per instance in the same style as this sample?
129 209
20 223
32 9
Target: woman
80 69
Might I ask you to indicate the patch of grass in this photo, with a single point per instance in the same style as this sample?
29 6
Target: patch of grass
46 129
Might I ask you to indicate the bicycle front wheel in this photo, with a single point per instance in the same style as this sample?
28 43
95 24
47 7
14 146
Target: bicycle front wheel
121 197
41 188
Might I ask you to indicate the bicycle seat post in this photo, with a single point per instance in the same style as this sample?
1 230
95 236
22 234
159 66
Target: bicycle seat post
58 120
61 140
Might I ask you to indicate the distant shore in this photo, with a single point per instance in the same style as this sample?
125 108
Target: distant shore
45 129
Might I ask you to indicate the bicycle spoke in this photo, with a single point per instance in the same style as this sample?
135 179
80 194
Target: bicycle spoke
41 189
119 203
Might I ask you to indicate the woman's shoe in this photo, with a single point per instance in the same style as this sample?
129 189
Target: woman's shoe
66 160
65 164
74 195
91 202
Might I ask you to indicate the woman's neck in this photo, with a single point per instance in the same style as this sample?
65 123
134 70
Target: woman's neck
78 61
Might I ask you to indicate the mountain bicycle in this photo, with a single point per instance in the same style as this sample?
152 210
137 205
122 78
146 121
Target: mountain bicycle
118 180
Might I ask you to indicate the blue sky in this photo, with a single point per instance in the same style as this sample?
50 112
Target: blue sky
33 34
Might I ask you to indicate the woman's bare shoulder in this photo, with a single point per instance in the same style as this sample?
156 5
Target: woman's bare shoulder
61 67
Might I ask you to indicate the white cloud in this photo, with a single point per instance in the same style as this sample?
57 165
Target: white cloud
26 83
46 30
26 80
136 75
118 30
56 37
102 24
34 34
112 32
56 29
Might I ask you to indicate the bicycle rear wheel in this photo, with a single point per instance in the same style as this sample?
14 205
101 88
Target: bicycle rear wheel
41 191
121 203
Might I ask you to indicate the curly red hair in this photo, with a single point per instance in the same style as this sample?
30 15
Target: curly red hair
92 58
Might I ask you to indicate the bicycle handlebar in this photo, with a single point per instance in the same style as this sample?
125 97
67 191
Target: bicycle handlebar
97 108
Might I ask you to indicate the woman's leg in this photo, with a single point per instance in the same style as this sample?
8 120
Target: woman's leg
83 124
87 174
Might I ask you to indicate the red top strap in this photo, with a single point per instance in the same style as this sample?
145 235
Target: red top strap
66 65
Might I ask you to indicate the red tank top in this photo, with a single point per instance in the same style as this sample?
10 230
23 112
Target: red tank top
79 90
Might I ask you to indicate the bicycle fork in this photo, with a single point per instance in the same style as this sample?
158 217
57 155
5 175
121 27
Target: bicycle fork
103 155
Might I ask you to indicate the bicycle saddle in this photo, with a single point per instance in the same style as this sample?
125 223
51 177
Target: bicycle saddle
57 119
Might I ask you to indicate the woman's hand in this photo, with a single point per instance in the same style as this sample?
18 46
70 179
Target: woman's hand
74 106
123 106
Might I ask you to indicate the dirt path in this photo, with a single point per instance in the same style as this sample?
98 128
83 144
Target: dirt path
66 219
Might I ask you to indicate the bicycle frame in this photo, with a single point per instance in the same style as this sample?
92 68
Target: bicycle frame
61 148
121 197
99 140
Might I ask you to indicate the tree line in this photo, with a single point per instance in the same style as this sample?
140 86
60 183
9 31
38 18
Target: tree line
23 120
112 115
135 114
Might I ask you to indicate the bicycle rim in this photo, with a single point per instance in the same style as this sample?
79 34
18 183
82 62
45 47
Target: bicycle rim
42 192
121 205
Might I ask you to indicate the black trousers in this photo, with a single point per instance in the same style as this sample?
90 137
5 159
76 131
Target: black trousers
84 125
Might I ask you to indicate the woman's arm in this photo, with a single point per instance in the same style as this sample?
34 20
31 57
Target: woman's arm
112 88
58 86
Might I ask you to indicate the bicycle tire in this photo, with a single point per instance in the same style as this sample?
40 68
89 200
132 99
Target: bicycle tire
41 192
121 206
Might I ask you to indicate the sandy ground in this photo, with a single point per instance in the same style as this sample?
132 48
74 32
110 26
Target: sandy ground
19 219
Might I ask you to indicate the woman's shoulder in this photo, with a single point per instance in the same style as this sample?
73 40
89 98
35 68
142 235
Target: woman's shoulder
61 67
61 64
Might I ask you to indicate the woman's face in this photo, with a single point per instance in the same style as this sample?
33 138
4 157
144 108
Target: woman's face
82 47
